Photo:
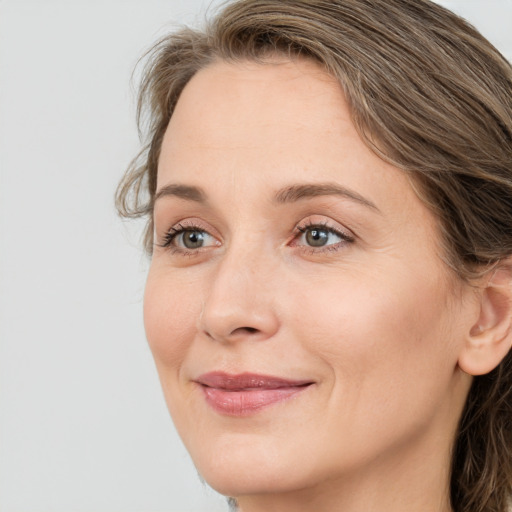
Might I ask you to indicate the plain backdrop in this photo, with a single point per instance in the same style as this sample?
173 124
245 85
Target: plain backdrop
83 424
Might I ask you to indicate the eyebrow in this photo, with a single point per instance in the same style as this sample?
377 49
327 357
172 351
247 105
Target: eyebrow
182 191
290 194
295 193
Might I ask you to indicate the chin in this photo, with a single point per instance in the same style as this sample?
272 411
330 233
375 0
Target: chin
238 471
229 482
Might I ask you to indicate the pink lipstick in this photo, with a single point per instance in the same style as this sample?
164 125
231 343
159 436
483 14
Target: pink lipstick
247 393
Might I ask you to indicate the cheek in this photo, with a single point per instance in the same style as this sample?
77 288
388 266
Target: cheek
372 332
170 318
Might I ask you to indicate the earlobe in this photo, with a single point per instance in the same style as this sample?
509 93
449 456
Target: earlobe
490 336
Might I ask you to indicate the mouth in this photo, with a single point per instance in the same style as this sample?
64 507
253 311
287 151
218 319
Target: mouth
247 393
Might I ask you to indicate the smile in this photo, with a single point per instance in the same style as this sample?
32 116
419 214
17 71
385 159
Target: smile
247 393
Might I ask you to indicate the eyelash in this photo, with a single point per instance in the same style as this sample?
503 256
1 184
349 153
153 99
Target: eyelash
300 229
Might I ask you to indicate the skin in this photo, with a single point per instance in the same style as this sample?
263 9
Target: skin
377 322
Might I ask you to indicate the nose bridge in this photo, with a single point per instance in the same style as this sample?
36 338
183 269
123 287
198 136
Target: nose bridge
239 300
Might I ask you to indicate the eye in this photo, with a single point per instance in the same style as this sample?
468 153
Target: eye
188 238
318 236
191 239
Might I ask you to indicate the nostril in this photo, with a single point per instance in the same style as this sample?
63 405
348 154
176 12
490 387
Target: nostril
239 332
247 330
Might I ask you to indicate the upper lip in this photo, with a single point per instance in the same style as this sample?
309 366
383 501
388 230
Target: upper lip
247 381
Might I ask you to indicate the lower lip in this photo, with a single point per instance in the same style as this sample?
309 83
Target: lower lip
244 403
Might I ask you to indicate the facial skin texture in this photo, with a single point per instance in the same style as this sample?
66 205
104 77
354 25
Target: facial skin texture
377 323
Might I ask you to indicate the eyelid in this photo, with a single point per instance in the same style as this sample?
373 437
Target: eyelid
192 223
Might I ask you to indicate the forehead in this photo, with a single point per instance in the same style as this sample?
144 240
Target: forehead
260 112
271 121
236 104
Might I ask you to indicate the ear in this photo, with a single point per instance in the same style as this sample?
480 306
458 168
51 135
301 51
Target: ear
490 337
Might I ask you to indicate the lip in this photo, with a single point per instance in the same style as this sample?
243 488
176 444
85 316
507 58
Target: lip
247 393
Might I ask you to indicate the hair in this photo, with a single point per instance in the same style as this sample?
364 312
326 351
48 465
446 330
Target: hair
428 94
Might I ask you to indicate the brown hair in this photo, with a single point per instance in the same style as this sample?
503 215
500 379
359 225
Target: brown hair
427 93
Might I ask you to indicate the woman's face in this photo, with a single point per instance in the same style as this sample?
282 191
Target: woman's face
303 325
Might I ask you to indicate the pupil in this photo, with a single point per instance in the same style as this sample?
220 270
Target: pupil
317 237
193 239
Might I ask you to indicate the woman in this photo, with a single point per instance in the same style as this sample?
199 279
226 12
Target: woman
328 186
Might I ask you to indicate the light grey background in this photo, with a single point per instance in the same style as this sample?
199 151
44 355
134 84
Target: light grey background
83 425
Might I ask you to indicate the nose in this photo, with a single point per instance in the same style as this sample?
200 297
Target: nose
239 303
